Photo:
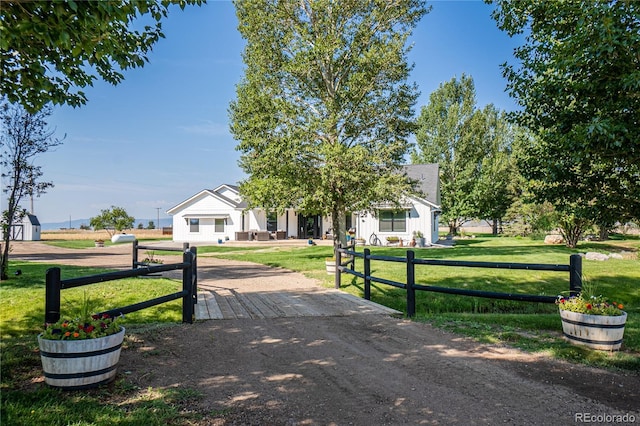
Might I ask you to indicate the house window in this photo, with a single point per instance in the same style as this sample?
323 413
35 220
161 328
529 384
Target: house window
219 225
194 225
391 221
272 222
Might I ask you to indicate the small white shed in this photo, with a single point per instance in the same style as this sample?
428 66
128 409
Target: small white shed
32 228
26 230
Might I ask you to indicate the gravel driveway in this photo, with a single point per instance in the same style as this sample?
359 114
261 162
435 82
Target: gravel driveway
349 370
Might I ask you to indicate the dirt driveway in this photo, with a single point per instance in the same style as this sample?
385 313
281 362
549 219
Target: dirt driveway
349 370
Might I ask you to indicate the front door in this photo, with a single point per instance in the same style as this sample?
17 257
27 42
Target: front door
309 226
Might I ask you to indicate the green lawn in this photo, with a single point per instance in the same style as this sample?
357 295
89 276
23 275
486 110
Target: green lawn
21 319
530 326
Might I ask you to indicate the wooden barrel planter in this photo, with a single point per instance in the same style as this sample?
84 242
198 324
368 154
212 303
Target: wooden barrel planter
594 331
330 264
80 364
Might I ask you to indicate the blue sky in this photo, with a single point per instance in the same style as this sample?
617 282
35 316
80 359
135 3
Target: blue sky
162 135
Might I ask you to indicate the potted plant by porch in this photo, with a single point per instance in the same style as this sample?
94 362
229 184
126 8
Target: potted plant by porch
592 320
82 352
419 237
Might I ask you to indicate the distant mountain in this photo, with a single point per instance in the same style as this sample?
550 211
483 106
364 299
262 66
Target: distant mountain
76 223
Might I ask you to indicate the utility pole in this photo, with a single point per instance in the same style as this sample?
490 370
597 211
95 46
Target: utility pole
158 223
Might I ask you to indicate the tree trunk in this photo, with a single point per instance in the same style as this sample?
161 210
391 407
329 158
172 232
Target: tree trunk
453 227
572 230
604 233
4 258
494 227
338 226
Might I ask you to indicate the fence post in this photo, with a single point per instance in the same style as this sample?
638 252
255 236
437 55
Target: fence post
338 258
134 256
187 288
194 278
575 274
52 296
353 256
367 274
411 278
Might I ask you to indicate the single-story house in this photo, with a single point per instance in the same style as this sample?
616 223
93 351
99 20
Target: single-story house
221 214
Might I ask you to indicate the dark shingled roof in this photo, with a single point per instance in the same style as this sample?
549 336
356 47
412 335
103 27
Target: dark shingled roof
34 220
427 176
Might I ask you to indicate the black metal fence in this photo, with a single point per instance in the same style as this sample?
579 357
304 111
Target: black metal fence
574 268
54 284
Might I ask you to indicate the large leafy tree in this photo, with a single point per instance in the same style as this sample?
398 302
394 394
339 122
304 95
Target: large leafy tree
112 220
494 191
472 147
444 136
49 50
24 136
577 78
324 111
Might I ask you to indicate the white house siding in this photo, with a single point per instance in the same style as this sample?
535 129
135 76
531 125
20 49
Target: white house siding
206 208
225 202
229 193
418 218
31 228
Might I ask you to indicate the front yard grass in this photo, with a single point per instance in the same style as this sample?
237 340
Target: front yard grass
530 326
533 327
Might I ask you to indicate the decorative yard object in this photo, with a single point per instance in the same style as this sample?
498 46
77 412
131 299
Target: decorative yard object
592 321
83 352
80 364
151 260
330 263
418 236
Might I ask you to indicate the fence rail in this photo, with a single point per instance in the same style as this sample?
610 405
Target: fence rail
574 268
54 284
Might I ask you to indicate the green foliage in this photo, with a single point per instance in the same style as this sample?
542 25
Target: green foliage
21 320
82 324
473 150
24 136
578 87
324 111
20 315
444 137
113 219
50 49
494 191
528 219
590 302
